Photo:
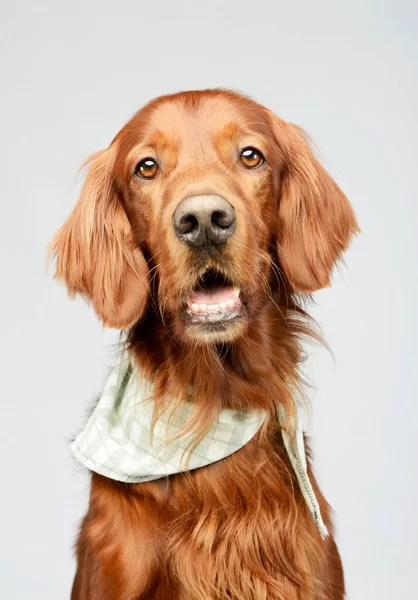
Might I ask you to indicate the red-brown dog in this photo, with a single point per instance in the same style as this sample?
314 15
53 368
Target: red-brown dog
200 195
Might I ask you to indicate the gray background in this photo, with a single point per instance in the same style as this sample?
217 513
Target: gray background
72 74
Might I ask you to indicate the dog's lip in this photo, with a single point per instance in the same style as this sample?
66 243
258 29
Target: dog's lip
217 317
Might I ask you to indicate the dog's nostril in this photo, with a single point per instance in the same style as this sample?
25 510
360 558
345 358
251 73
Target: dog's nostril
222 219
187 224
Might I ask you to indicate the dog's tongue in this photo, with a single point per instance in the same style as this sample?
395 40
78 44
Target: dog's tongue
214 295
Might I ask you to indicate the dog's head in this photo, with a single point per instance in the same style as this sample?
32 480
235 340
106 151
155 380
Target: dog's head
188 212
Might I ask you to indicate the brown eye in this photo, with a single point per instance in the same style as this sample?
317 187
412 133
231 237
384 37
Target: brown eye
251 158
147 168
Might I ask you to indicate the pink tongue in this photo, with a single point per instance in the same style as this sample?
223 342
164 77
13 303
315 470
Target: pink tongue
213 296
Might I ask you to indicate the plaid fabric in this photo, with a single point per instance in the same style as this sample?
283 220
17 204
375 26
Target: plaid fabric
117 441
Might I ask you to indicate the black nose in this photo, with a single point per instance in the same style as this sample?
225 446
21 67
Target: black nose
204 220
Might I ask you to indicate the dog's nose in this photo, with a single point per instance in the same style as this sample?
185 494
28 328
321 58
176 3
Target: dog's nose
204 220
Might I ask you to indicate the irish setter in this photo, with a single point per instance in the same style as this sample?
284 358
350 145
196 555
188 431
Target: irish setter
207 198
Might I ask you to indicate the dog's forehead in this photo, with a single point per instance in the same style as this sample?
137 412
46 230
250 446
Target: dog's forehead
183 122
180 118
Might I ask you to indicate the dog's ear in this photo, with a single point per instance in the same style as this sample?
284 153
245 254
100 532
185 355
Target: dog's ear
316 221
96 254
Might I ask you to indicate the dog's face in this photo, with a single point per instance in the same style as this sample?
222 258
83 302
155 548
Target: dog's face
194 204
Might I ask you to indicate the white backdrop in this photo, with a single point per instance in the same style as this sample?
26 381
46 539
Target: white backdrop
72 73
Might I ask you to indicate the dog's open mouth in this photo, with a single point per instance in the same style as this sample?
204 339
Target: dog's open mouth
214 299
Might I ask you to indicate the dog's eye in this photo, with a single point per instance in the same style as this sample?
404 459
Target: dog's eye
147 168
251 158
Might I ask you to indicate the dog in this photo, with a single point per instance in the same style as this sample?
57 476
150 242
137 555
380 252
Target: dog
200 231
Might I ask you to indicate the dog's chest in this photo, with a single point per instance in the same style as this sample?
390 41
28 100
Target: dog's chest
245 514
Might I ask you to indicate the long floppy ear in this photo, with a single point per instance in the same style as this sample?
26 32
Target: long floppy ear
316 221
96 253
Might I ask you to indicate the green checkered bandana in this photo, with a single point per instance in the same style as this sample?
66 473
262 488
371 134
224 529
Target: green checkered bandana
117 441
